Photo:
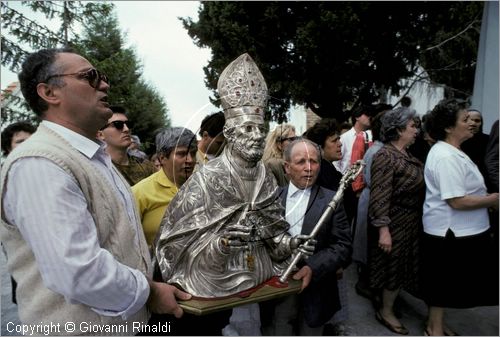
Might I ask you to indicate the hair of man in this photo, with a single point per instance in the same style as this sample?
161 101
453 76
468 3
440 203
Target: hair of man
37 68
287 154
168 139
212 124
321 130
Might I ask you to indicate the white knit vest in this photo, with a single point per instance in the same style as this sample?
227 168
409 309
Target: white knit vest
36 303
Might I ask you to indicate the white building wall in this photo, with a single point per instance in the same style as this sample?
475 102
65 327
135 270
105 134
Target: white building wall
297 117
424 95
486 88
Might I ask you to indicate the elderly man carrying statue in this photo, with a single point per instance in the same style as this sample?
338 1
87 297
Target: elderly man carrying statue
224 231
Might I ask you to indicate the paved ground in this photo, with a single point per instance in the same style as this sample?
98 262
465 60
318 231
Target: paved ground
481 321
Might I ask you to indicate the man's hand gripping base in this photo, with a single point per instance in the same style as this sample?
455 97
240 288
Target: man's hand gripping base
163 299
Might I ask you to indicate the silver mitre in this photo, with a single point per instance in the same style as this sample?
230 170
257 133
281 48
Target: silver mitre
242 88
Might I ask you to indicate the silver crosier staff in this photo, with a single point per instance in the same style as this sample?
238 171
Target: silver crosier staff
347 178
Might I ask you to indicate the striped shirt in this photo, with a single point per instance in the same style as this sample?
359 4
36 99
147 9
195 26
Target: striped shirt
50 210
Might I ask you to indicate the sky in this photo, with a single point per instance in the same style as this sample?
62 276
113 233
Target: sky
171 61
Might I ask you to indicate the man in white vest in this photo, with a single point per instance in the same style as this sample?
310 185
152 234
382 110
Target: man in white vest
71 232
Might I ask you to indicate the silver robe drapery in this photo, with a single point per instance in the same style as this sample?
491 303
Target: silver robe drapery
187 247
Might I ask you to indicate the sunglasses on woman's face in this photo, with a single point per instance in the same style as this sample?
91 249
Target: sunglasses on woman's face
119 125
93 76
291 139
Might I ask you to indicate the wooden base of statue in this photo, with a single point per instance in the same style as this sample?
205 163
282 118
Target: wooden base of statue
269 290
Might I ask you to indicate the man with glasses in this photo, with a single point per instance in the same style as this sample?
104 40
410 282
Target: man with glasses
69 226
116 134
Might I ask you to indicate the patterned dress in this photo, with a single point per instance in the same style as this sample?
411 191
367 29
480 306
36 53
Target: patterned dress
396 199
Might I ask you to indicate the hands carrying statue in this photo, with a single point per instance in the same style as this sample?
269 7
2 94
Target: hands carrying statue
224 231
237 237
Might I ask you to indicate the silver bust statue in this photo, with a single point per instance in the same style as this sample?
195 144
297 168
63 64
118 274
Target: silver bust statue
224 231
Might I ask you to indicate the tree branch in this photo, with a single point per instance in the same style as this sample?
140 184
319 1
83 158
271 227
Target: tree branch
415 80
20 17
453 37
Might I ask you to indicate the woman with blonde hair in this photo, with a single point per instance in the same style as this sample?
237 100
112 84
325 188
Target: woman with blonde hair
276 142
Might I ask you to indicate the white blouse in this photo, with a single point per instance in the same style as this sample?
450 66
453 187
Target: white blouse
450 173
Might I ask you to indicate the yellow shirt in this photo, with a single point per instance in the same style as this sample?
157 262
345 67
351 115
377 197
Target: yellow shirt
152 196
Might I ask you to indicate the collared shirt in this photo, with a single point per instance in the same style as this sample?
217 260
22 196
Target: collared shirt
50 210
347 139
152 195
450 173
296 207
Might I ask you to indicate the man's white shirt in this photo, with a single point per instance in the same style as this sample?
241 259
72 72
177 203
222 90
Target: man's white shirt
52 214
347 140
296 207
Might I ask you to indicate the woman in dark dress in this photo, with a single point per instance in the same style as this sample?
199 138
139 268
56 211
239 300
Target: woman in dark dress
395 213
475 147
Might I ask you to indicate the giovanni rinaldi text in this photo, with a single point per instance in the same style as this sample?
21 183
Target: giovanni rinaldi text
43 328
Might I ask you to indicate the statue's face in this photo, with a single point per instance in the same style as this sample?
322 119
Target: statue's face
248 138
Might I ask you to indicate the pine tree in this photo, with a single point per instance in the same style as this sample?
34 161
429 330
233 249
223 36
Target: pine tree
103 45
22 35
101 42
332 55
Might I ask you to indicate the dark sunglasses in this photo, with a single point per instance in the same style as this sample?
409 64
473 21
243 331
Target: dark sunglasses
288 138
93 76
117 124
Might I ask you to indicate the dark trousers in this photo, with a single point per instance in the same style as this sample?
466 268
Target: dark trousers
192 325
13 284
284 317
351 207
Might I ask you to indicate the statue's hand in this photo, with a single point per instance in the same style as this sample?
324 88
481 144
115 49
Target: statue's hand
234 237
304 244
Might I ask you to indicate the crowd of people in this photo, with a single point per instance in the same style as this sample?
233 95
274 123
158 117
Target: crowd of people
95 230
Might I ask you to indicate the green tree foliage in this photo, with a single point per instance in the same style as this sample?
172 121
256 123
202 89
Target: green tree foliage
331 56
103 45
15 109
24 32
451 57
22 35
